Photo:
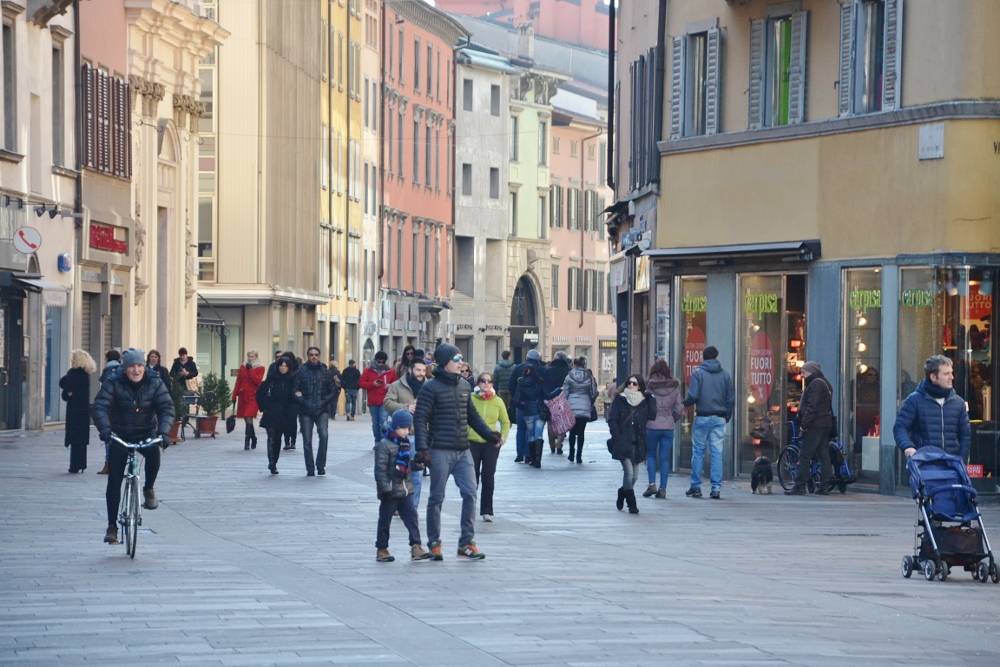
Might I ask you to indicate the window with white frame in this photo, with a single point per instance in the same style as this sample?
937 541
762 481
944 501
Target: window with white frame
694 82
543 217
778 68
58 105
543 143
870 56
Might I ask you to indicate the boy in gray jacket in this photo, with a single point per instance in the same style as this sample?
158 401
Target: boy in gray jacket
393 461
711 392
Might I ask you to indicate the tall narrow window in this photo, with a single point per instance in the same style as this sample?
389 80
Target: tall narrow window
416 152
697 80
514 138
365 191
340 59
495 100
430 70
324 49
427 261
437 80
400 45
9 88
779 62
467 92
437 160
869 58
543 218
58 107
389 162
324 167
365 114
543 143
554 295
513 214
399 138
467 179
416 64
414 256
494 183
428 156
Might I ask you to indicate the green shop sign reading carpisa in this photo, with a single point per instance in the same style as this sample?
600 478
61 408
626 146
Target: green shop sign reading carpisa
694 304
760 303
863 300
917 298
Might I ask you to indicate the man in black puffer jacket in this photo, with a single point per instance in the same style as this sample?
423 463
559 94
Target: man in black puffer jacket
816 425
313 391
134 405
442 420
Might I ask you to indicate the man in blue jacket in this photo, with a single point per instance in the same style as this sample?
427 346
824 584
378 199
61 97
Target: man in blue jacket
533 359
711 392
934 415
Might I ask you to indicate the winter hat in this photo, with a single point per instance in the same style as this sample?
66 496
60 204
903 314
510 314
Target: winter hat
402 419
562 355
133 356
444 353
533 355
811 368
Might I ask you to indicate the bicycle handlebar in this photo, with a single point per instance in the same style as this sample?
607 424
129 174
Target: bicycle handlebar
151 442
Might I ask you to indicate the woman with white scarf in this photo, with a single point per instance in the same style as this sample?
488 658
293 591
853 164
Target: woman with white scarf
630 411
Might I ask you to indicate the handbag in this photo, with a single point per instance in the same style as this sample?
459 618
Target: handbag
192 385
230 423
593 413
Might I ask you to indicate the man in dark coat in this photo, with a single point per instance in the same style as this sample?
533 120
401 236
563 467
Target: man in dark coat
934 415
533 359
134 405
350 380
335 380
313 391
442 420
815 427
183 368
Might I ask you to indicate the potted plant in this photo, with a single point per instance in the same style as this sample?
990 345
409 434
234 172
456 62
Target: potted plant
180 409
215 399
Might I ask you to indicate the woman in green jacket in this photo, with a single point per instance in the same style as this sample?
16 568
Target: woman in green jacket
484 455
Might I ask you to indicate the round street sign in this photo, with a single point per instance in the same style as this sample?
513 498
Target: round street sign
27 240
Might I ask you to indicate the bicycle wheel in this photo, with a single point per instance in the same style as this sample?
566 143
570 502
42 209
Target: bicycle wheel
123 513
132 531
788 468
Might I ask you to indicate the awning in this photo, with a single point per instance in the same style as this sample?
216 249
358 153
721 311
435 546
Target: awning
788 251
37 283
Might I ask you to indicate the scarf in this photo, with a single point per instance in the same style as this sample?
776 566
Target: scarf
414 383
484 394
935 391
633 397
403 455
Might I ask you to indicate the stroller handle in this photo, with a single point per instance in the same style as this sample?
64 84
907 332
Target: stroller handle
960 487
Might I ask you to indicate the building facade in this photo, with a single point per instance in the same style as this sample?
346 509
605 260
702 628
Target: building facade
577 22
834 120
362 344
416 275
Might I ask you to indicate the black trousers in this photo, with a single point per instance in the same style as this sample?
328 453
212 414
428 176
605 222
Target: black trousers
119 457
78 456
484 459
576 433
273 445
386 509
815 443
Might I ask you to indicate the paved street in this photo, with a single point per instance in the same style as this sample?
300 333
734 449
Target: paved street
241 568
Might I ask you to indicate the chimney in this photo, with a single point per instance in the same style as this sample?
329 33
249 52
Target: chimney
526 42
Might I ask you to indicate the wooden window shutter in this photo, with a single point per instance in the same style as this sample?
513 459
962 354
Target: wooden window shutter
797 74
846 58
89 117
677 87
713 76
893 50
126 87
756 94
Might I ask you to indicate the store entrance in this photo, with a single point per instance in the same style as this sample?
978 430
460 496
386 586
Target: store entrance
11 377
772 350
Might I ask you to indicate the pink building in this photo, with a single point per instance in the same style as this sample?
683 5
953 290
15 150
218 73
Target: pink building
417 214
580 22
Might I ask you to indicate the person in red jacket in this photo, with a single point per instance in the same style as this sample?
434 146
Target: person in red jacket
248 380
376 380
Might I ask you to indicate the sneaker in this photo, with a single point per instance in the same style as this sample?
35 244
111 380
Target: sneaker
488 518
150 503
111 536
661 494
519 459
715 494
650 491
693 492
383 556
471 551
436 551
417 552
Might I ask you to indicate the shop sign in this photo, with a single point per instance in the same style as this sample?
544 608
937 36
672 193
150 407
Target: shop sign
694 304
642 273
760 303
863 300
761 365
694 343
980 305
916 298
976 470
463 327
103 237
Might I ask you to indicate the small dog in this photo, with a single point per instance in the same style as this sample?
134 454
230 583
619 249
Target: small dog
762 476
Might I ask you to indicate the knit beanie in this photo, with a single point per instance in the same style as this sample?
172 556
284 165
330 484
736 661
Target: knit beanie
444 353
534 355
402 419
133 356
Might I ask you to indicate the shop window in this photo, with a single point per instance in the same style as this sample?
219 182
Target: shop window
693 294
861 389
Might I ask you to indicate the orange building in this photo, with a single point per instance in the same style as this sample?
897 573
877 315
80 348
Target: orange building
579 22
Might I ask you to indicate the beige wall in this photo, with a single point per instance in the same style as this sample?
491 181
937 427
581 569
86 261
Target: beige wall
839 189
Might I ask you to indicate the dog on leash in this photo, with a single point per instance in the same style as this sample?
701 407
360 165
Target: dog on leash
762 476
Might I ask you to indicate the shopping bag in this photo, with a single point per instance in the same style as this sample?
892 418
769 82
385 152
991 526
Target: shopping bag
561 417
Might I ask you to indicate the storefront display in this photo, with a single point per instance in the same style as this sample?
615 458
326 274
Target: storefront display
693 297
861 396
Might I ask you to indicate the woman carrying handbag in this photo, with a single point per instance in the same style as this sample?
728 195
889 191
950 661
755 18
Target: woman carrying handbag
580 389
627 422
75 387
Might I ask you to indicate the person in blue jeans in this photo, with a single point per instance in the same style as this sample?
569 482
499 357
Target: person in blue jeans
665 390
529 394
532 360
711 392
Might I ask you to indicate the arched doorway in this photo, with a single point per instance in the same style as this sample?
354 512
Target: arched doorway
524 317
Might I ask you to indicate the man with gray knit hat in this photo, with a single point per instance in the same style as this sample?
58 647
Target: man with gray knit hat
815 428
533 359
442 419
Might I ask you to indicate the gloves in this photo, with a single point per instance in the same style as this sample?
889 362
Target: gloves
423 456
494 438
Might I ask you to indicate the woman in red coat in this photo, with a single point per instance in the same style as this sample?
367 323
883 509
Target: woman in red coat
248 380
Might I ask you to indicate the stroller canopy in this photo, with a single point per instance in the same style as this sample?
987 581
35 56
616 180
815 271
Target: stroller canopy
940 481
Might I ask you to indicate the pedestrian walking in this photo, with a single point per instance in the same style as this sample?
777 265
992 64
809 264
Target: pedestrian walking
75 387
289 437
466 374
552 380
112 369
532 360
442 419
350 380
608 395
933 415
668 409
184 369
627 422
275 396
313 391
711 392
815 428
529 396
501 379
580 389
337 382
154 362
493 411
248 381
376 380
402 395
405 362
394 466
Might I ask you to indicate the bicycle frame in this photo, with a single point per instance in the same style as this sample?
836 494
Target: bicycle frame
130 495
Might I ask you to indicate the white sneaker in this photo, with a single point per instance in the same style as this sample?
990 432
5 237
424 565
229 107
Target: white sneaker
488 518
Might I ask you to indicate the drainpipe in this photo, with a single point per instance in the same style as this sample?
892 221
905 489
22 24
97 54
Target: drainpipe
381 152
661 69
350 170
610 175
78 139
583 225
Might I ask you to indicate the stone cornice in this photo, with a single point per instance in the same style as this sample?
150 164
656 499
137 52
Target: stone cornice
176 24
433 20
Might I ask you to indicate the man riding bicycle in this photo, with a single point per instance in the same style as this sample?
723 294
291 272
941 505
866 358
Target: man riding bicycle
135 405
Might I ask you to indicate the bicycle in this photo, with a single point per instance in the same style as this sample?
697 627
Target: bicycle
130 513
788 465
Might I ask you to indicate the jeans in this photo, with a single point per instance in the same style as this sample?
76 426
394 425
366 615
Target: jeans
521 437
446 463
628 474
484 458
814 444
386 509
534 428
417 480
378 421
322 422
659 446
350 401
707 431
116 473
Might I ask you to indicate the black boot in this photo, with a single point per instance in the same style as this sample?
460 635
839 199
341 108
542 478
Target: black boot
253 437
571 451
633 507
536 454
246 442
620 503
579 452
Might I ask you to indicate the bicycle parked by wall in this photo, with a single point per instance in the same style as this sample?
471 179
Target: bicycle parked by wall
788 464
130 512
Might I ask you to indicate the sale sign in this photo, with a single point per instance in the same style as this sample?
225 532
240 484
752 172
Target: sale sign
694 343
976 470
980 305
762 367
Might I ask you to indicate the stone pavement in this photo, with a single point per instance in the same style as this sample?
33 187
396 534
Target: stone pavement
241 568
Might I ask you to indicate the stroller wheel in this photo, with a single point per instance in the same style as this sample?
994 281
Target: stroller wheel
944 571
843 487
995 573
908 566
929 570
984 572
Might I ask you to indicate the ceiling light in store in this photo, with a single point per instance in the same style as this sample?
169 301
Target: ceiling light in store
800 363
862 321
862 368
861 346
751 400
756 328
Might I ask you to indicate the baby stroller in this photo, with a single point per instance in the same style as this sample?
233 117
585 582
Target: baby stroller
949 529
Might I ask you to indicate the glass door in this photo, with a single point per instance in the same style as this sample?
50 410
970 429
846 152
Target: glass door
861 394
693 301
